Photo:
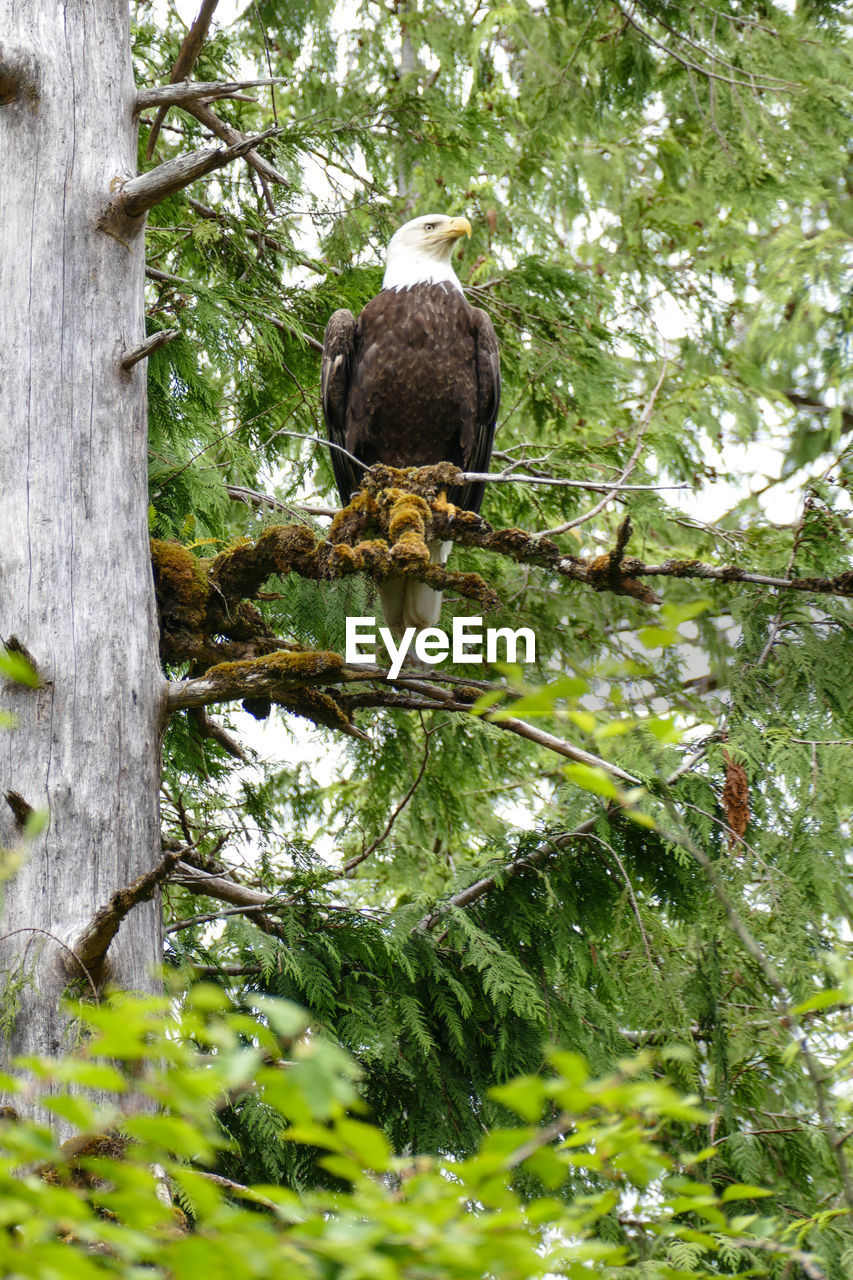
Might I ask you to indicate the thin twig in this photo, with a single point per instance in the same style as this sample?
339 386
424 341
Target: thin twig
773 85
45 933
634 906
254 498
629 466
350 866
227 911
490 477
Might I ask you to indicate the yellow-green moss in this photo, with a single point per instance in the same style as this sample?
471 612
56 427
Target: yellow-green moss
374 558
351 522
283 543
273 672
410 552
180 583
318 707
409 513
346 558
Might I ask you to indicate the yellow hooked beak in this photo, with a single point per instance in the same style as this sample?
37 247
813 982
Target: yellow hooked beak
455 229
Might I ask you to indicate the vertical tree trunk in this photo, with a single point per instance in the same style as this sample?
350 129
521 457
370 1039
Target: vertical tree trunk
75 578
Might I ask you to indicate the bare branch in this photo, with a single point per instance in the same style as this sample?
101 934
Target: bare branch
557 482
561 748
184 63
163 277
177 95
216 733
501 477
214 886
147 189
238 1188
234 137
629 466
152 343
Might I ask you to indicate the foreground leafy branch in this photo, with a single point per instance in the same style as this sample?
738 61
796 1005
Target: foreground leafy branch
131 1192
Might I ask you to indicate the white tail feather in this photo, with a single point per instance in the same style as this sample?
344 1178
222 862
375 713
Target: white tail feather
408 603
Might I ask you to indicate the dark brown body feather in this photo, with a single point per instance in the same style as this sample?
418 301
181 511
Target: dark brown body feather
414 381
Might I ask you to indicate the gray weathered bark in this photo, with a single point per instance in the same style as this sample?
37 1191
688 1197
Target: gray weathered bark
75 579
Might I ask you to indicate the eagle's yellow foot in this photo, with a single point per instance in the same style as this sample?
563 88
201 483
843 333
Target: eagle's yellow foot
448 507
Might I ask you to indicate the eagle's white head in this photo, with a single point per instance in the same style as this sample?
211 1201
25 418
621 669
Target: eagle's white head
419 253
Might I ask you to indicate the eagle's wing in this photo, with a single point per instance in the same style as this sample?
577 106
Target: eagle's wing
478 451
335 376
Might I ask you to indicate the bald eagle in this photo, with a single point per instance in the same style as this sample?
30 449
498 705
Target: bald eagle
413 381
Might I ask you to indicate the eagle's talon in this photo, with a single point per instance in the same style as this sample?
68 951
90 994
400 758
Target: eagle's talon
447 508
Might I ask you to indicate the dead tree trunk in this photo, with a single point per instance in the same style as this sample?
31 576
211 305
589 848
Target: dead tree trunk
76 589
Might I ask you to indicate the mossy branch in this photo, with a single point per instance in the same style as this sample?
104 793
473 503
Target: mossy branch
207 615
90 949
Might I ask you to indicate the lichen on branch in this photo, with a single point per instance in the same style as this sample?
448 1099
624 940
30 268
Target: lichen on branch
207 614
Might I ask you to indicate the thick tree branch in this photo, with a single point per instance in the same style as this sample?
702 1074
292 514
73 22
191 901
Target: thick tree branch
277 676
143 192
244 901
214 886
273 675
216 733
206 615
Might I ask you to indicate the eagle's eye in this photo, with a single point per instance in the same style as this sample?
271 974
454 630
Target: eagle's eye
429 226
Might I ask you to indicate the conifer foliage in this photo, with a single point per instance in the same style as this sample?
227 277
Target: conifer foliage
660 207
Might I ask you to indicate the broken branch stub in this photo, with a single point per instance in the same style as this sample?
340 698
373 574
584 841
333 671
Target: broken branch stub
141 193
19 75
